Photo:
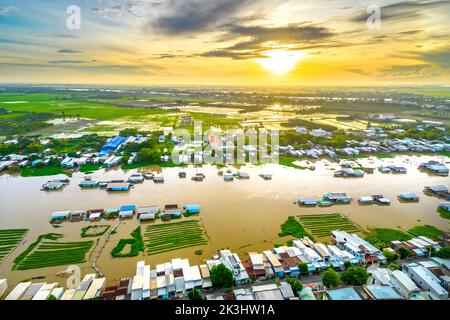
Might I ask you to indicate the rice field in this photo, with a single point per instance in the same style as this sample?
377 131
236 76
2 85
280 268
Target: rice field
321 225
47 251
166 237
9 239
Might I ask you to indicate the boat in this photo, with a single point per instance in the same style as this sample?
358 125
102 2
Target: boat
198 177
136 178
220 173
158 179
182 174
228 177
306 202
266 176
149 176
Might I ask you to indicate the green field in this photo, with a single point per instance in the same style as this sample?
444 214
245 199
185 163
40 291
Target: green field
90 168
428 231
293 228
43 171
94 231
65 105
321 225
48 251
135 244
166 237
9 239
382 237
289 162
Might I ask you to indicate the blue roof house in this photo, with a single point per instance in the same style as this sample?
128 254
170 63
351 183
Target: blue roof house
113 144
193 208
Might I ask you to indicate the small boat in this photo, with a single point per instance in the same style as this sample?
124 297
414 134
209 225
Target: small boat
149 176
220 173
266 176
182 174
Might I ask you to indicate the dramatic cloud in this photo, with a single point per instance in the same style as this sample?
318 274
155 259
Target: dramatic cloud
68 51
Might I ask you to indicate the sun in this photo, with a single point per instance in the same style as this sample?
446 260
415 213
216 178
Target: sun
281 62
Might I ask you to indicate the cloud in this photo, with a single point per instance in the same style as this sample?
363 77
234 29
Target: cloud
263 38
68 51
418 70
403 10
67 61
190 16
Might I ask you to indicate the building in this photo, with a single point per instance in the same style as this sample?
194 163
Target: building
274 263
382 293
401 282
232 262
95 289
118 186
343 294
267 292
362 250
3 287
192 209
112 145
426 280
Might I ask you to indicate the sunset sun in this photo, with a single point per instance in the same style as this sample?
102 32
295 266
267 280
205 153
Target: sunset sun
281 62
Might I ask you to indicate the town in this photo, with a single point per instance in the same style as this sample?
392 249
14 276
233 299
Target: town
348 269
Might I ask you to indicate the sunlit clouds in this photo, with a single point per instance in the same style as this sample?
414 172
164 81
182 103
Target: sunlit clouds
229 42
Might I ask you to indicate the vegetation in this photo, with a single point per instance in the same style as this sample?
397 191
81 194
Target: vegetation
356 276
90 168
404 253
94 231
331 278
428 231
444 213
393 266
9 239
44 171
195 294
390 256
166 237
51 253
198 252
13 123
136 244
443 253
221 276
296 285
303 267
293 228
321 225
289 162
382 237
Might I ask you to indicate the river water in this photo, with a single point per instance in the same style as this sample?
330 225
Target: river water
243 215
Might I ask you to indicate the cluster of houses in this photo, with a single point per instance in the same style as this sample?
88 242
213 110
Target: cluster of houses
145 213
377 140
422 280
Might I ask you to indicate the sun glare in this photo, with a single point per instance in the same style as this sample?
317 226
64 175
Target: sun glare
281 62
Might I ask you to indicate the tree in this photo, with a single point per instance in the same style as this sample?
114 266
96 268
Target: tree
221 276
356 276
390 256
404 253
149 155
128 132
393 266
296 284
303 267
331 278
347 264
443 253
51 297
195 294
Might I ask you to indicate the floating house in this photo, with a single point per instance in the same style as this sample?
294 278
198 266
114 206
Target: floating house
345 173
435 168
266 176
118 186
60 216
192 209
409 197
338 197
182 174
243 175
158 179
439 191
53 185
198 177
147 213
306 202
87 184
95 216
366 200
228 177
380 200
136 178
127 212
77 215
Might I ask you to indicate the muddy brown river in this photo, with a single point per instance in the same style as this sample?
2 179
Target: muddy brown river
243 215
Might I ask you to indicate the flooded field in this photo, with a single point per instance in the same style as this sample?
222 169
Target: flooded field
243 215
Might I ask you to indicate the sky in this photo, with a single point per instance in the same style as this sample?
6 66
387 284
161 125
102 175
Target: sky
226 42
